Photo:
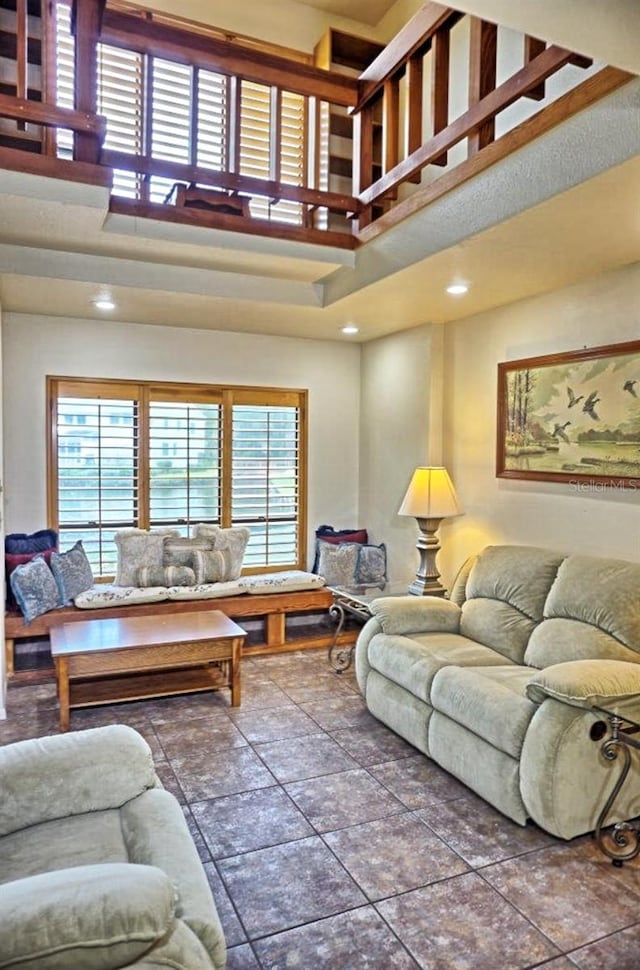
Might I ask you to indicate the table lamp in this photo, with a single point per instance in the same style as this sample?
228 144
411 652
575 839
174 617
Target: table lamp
430 498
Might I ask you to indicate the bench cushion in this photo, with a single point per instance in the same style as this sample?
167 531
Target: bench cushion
290 581
103 595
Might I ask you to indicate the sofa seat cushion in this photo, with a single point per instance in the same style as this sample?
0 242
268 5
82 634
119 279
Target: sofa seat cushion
288 581
204 591
103 595
98 917
412 662
490 701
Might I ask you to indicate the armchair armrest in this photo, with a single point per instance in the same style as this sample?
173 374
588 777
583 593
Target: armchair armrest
105 916
403 615
590 684
69 774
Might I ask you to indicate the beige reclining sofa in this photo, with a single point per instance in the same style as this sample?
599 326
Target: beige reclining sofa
505 684
97 866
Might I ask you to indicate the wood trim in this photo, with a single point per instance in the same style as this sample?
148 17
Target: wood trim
15 160
247 185
39 113
413 38
483 59
598 86
527 77
188 47
532 48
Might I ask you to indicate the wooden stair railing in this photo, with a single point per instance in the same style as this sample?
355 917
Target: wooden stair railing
394 82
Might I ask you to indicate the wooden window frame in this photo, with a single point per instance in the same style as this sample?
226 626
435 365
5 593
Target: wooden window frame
144 392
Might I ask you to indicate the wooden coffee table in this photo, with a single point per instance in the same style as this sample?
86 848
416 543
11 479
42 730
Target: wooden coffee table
104 661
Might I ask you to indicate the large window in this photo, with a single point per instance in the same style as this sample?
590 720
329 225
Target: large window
129 454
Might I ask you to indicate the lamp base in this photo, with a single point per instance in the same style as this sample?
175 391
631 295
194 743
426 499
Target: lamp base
427 581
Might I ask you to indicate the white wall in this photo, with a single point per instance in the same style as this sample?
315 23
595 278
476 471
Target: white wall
602 311
36 346
399 431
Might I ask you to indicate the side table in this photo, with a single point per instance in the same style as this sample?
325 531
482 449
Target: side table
354 601
622 844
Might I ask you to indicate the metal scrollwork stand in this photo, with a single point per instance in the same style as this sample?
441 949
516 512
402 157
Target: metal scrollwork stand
622 844
339 657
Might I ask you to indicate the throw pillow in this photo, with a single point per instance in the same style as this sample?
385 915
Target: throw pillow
35 589
14 559
371 565
165 576
20 543
209 566
136 548
326 533
179 550
72 572
230 542
337 563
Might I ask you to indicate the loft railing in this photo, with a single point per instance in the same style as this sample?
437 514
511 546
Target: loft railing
264 164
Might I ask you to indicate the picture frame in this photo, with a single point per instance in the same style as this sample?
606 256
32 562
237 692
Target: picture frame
571 417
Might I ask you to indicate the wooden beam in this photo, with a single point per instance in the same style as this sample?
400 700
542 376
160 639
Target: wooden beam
187 47
14 160
21 48
501 97
483 55
577 99
217 220
415 37
440 87
38 113
229 181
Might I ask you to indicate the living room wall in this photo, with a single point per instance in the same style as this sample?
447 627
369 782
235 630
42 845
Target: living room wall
596 521
36 346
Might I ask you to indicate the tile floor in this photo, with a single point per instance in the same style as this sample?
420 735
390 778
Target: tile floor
331 844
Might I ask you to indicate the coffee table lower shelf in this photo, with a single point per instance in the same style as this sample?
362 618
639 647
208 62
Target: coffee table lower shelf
134 687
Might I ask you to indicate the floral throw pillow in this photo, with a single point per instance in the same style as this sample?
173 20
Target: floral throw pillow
72 572
35 589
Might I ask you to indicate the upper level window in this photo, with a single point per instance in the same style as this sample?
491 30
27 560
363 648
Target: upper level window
135 454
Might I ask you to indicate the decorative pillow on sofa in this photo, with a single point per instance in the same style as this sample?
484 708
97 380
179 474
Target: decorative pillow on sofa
136 548
337 563
20 543
230 542
35 588
72 572
165 576
14 559
179 550
326 533
209 566
371 565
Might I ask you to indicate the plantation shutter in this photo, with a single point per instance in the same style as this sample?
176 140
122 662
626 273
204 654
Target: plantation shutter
185 456
97 473
120 100
265 482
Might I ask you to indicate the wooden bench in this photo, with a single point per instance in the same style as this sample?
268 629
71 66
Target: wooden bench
272 608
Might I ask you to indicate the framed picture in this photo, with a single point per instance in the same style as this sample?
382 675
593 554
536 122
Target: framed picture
571 417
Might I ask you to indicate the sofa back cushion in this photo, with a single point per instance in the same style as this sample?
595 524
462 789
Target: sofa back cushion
592 611
505 596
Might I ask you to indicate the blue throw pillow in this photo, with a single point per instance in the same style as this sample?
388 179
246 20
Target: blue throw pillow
20 543
371 565
72 572
35 588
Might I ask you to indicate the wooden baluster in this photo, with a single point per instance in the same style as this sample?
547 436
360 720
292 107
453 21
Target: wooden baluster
440 87
233 104
22 55
533 47
86 21
414 78
363 158
275 140
390 124
483 51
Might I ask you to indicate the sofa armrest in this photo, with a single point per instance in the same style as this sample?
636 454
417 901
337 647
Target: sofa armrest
608 684
70 774
404 615
91 916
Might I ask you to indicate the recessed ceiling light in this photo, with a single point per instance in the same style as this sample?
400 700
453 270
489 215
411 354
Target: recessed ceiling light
457 289
104 303
350 328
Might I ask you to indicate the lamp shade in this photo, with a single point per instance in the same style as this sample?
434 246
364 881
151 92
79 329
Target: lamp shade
430 495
